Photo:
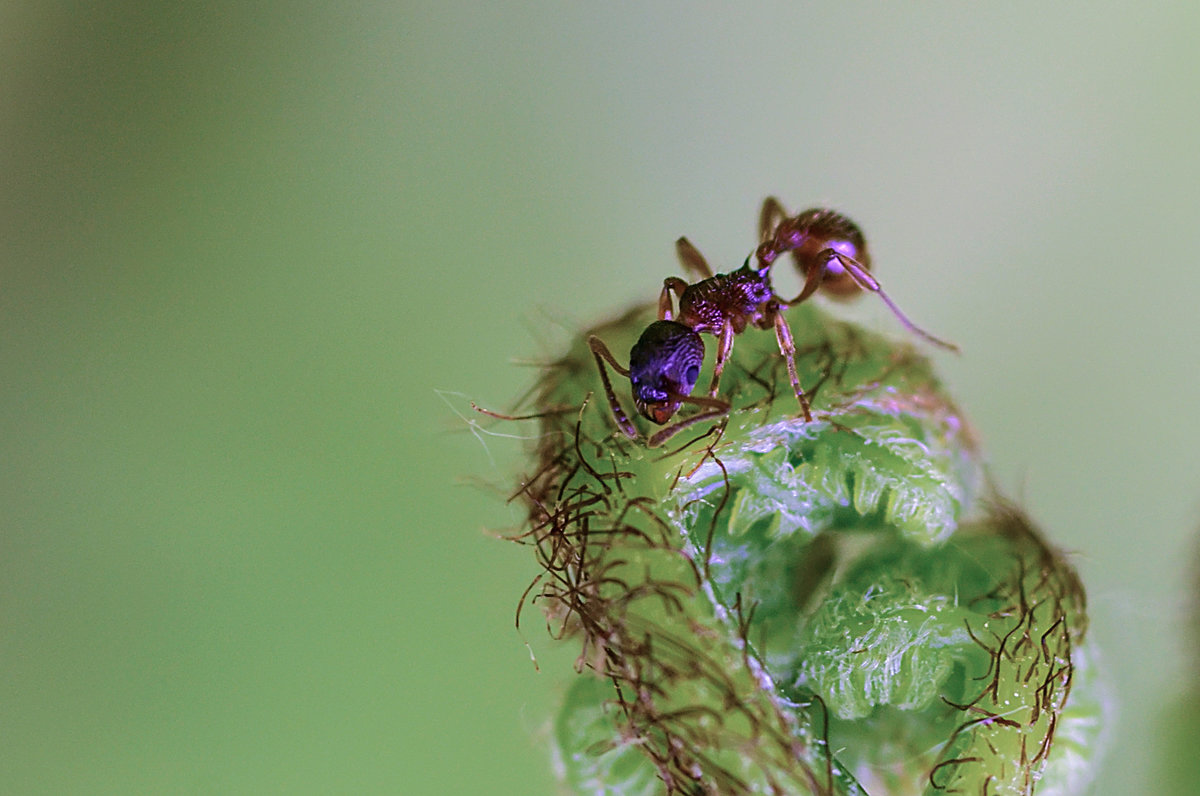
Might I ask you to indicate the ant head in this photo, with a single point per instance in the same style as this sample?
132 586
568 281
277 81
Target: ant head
663 368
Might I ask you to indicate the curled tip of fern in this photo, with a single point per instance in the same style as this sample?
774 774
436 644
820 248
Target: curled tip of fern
766 604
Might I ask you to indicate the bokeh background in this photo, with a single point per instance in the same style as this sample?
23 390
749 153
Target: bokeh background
244 246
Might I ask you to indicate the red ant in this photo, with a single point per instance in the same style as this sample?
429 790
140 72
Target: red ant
664 364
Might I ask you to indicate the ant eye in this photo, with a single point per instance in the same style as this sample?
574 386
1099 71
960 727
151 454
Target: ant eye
692 374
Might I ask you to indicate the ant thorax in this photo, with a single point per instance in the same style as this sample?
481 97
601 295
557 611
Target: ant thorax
739 298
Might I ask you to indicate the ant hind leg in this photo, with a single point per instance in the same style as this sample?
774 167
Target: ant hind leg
812 280
864 280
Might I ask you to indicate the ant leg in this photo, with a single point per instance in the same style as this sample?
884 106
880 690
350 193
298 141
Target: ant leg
867 282
787 347
769 217
716 408
691 259
812 280
724 346
776 233
601 353
665 312
498 416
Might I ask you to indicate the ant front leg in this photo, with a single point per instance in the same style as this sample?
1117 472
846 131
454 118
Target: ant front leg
691 259
602 354
715 408
724 346
671 283
787 347
863 279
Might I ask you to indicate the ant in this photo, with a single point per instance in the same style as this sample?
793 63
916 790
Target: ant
665 362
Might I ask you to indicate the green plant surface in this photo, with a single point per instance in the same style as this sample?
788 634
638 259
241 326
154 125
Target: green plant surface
768 605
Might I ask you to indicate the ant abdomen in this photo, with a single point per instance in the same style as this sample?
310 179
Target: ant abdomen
810 236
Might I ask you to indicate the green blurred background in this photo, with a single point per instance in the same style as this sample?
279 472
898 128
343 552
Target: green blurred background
243 245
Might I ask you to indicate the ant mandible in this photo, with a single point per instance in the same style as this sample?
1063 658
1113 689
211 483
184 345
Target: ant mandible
665 362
